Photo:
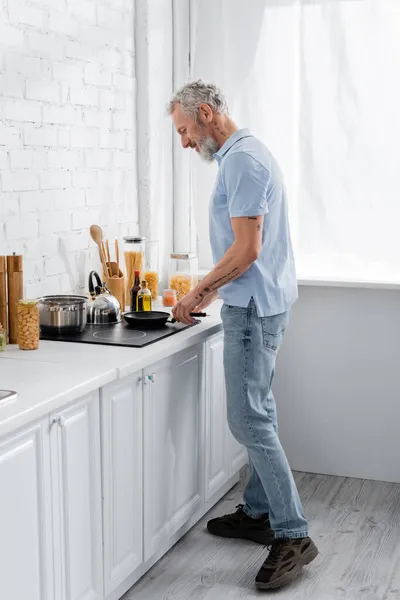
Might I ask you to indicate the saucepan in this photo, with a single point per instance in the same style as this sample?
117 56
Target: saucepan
152 319
58 314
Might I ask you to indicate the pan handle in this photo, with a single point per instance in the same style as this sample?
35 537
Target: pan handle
193 314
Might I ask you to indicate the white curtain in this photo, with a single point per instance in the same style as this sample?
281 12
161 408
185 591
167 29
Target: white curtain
319 82
154 64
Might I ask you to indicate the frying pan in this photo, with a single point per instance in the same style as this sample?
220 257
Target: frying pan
152 319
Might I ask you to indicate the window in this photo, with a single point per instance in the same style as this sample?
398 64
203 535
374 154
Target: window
318 83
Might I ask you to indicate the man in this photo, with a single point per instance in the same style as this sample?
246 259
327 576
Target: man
254 275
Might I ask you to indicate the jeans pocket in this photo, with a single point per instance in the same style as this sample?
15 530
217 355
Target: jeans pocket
234 309
273 329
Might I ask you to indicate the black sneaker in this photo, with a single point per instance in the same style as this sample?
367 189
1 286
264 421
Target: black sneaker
239 525
285 561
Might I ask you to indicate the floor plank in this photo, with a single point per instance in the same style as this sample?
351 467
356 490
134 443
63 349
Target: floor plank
355 523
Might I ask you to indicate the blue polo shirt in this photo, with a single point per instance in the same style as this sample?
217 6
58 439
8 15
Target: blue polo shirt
249 183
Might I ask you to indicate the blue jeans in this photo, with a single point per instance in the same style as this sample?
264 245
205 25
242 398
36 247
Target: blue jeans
251 344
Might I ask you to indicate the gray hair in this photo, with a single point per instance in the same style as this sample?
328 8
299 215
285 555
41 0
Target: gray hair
194 93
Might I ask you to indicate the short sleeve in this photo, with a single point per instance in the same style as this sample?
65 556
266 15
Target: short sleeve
246 183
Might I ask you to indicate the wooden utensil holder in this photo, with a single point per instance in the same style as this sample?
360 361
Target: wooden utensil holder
116 286
3 293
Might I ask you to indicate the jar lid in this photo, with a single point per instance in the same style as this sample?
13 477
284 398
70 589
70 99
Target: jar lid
133 239
28 302
183 255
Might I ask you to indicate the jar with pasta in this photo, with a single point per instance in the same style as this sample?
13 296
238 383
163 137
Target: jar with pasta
28 325
151 268
134 253
183 273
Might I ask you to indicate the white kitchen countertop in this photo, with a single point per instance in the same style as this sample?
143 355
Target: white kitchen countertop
61 372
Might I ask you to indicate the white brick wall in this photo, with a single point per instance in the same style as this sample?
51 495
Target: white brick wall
67 134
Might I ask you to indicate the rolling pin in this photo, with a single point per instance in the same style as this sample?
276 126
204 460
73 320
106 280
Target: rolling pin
3 293
15 294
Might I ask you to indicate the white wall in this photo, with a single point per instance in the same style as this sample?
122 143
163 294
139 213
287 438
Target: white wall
67 134
337 384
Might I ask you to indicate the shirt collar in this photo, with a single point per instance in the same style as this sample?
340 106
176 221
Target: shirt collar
235 137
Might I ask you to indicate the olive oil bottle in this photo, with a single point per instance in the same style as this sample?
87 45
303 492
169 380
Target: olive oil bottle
143 300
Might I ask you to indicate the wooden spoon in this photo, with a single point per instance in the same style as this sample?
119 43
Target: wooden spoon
97 236
117 254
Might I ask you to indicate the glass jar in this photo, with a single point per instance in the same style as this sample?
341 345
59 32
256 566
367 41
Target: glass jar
169 298
134 251
183 273
151 268
28 325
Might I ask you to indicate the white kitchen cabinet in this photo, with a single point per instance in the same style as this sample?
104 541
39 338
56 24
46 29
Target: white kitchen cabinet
122 452
172 408
216 432
224 456
26 551
76 483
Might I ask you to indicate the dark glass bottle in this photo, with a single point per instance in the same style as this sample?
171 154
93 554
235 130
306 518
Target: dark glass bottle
135 290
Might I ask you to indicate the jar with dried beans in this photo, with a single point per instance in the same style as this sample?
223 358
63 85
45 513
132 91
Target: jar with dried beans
28 325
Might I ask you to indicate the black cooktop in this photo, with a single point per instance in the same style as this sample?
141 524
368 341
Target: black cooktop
117 335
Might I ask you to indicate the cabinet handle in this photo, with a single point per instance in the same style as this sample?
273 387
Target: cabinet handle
60 421
151 378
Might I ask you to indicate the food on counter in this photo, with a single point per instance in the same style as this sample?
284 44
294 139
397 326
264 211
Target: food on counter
152 281
183 284
143 300
28 325
169 298
134 262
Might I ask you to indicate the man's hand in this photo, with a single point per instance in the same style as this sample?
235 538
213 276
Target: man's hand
190 303
181 311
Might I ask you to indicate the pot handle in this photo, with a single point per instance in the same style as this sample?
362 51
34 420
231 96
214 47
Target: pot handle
92 288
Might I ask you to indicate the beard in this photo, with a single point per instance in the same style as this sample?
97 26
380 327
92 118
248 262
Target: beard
207 146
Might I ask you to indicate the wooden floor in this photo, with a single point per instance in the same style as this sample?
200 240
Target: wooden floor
355 523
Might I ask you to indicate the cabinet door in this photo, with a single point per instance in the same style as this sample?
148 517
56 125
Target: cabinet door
76 477
26 553
122 439
172 410
216 433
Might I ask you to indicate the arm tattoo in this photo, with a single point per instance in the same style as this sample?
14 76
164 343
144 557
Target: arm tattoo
259 227
252 218
225 279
